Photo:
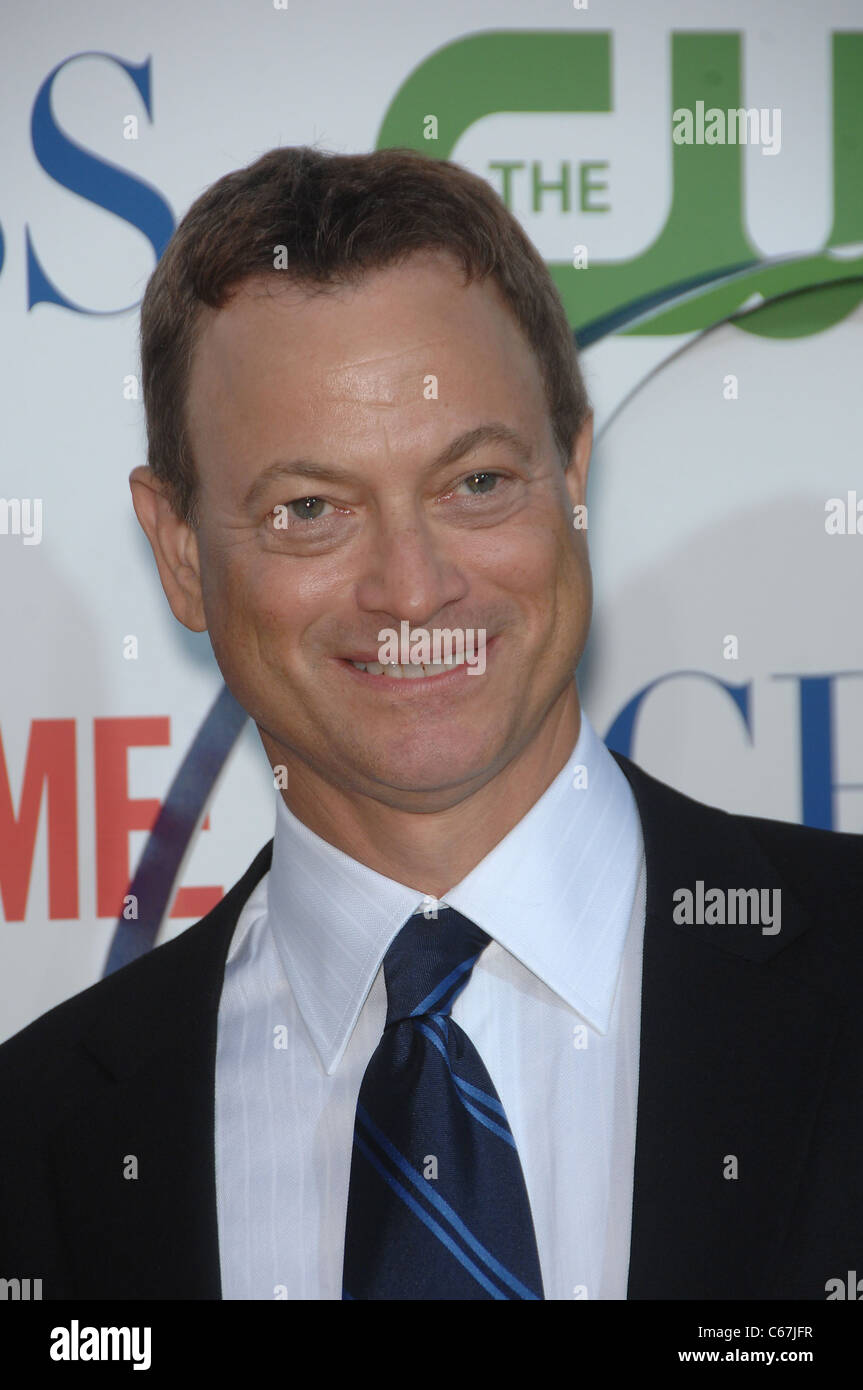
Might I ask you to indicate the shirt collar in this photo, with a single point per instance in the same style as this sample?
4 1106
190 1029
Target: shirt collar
557 892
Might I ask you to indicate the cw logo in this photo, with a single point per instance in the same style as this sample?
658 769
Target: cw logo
704 237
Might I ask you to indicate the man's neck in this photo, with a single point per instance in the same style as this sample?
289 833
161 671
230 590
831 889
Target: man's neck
432 851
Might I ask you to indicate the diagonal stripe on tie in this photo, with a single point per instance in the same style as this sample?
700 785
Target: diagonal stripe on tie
434 1226
473 1090
437 1204
425 1006
445 1211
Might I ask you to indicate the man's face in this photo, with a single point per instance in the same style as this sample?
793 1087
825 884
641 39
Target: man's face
328 397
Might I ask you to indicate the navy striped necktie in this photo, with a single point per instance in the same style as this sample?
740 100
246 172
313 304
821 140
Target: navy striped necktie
437 1205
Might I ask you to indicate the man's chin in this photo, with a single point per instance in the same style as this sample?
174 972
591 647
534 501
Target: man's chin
426 779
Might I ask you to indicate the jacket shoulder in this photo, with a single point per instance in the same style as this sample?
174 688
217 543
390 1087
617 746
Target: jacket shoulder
179 975
822 869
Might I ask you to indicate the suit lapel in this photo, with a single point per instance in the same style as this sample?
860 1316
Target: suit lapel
735 1039
134 1161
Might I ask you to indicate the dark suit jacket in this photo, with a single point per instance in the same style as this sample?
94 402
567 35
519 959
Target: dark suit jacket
751 1046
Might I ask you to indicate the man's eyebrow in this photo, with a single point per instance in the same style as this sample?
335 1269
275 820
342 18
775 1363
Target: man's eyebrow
466 443
494 433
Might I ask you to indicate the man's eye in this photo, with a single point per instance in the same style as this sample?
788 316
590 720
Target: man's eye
480 483
301 509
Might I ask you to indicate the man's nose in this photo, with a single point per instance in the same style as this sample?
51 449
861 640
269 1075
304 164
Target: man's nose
408 573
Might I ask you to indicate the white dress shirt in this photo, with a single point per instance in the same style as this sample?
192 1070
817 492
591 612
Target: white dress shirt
553 1007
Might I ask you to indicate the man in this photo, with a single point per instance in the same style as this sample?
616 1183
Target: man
455 1033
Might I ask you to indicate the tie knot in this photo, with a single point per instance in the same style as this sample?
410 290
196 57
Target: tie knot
429 963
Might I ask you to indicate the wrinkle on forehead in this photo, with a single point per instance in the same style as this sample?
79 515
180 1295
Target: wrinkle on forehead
372 380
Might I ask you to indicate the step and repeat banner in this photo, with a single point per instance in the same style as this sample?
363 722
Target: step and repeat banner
692 172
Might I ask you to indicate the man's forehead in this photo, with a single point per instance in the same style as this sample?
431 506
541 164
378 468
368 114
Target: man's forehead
368 340
412 289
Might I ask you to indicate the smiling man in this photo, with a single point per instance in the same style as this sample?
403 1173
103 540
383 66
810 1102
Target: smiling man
451 513
450 1036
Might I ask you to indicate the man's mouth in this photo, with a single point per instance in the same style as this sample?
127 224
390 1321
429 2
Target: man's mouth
408 670
457 666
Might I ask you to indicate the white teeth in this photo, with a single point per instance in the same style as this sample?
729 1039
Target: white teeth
407 671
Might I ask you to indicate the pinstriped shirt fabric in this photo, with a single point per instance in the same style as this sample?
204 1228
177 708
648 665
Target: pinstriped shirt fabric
553 1008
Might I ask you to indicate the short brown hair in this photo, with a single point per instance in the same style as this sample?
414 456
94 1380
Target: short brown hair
338 216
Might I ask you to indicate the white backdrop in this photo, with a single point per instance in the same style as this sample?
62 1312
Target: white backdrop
706 512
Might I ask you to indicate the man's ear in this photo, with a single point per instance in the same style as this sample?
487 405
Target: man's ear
174 545
579 461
